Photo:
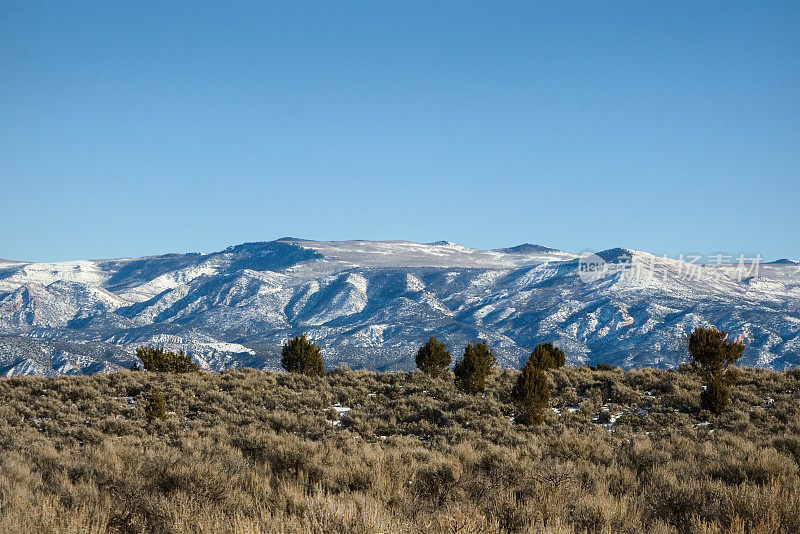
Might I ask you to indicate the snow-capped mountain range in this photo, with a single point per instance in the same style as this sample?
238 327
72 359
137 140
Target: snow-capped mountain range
372 303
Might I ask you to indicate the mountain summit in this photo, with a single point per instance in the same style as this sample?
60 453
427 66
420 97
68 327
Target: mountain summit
372 303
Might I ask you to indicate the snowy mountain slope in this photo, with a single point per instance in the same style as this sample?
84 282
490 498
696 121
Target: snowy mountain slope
370 304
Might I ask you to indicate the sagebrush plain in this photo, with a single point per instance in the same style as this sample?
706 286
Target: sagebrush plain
248 451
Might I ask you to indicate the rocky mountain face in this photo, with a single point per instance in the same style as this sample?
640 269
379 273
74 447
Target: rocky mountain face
371 304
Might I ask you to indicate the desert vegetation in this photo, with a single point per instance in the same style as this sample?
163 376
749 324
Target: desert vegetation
300 355
355 451
712 357
531 395
433 358
159 360
474 368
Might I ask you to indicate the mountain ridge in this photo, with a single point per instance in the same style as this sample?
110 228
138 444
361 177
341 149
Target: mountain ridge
371 303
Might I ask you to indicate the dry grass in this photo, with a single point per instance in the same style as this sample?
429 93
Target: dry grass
251 452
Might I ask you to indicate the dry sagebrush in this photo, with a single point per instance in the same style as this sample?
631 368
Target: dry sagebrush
246 451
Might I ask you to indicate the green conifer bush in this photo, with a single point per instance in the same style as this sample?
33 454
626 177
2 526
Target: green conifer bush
433 358
299 355
531 395
712 356
547 356
474 368
158 360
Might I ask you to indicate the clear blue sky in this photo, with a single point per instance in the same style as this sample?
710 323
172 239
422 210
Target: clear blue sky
131 129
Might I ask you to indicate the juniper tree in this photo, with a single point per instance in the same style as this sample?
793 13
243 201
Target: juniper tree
531 395
716 396
156 408
546 356
433 357
157 360
712 357
299 355
474 368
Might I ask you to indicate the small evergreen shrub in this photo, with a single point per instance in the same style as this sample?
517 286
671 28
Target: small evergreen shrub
474 368
157 360
433 358
546 356
531 395
715 397
299 355
711 357
156 408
